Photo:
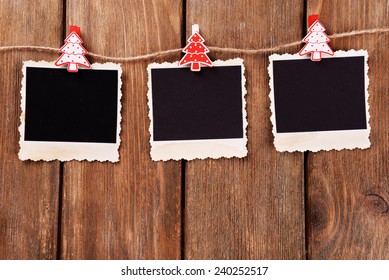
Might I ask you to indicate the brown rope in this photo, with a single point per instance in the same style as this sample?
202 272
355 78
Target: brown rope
173 51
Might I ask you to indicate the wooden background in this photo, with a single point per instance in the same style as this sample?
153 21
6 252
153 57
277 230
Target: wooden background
269 205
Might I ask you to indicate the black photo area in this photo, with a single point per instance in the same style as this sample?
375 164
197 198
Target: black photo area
319 96
71 107
197 105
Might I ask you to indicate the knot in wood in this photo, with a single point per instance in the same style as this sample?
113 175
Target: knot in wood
318 216
376 203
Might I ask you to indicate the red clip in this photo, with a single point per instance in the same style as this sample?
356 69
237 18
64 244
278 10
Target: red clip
195 51
73 53
74 28
316 40
312 18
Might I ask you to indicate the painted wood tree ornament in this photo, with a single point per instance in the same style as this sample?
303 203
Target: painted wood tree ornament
316 40
195 51
73 53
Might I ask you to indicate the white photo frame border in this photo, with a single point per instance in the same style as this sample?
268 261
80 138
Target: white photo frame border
320 140
198 149
66 151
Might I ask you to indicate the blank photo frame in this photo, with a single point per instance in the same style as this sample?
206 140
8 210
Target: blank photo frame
320 105
68 116
197 114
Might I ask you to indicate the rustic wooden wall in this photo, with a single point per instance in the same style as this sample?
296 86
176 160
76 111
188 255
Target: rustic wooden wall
131 209
28 190
270 205
236 208
348 192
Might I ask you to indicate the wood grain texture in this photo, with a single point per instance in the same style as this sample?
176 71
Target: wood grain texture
131 209
250 208
348 191
28 190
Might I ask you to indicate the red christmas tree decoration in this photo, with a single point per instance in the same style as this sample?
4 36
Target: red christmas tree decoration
316 41
195 52
73 53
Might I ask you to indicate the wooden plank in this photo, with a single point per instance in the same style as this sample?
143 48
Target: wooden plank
28 190
131 209
348 191
251 208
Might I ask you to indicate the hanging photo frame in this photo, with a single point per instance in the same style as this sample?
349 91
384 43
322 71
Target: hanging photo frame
70 116
320 105
197 114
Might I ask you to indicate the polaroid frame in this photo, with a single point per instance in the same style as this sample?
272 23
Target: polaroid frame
66 151
320 140
197 149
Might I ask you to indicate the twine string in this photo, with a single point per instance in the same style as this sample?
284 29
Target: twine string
178 50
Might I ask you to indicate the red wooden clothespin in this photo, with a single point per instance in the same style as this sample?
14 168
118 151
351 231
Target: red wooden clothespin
195 51
74 28
316 40
73 53
312 18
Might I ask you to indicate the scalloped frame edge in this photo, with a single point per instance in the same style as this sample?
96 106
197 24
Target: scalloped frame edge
198 149
320 140
67 151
